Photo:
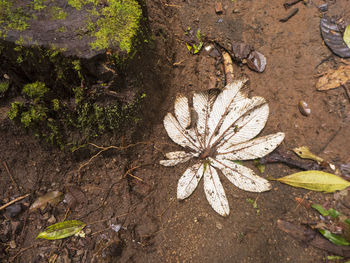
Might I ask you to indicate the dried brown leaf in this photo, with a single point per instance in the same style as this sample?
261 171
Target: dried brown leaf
53 198
334 78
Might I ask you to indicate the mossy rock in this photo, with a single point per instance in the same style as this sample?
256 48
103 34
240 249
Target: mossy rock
82 28
61 57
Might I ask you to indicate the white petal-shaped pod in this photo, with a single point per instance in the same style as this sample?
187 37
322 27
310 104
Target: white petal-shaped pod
252 149
182 111
177 157
202 104
241 176
189 181
248 125
215 192
223 104
178 134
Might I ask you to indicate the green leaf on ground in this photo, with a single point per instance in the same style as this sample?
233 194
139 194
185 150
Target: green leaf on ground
62 230
335 239
330 212
316 181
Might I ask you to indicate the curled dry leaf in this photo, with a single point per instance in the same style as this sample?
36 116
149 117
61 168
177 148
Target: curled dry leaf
74 197
256 61
224 132
334 78
53 198
333 37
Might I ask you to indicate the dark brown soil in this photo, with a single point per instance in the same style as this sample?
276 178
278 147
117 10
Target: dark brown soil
129 187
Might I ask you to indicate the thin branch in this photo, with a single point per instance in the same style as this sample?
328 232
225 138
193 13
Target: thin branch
11 177
14 201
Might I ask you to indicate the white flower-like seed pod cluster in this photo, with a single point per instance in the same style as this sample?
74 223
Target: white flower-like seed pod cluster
222 132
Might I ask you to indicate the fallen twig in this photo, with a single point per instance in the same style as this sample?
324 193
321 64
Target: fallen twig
285 157
14 201
290 15
291 3
11 177
347 91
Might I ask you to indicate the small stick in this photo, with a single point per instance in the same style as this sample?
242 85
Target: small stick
11 177
346 88
290 3
290 15
14 201
228 67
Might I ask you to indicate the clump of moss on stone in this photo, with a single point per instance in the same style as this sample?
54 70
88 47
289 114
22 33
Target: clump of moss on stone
11 18
117 25
4 85
35 90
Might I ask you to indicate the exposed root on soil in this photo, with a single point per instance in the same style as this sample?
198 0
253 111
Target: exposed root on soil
128 172
11 177
103 149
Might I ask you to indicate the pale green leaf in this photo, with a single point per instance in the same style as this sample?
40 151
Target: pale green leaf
62 230
316 181
346 36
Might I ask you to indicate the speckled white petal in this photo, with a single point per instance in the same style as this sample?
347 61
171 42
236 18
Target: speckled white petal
178 134
215 192
189 181
253 149
177 157
202 104
241 176
223 104
182 111
244 124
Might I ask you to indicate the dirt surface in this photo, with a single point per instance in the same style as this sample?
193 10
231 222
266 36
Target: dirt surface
127 186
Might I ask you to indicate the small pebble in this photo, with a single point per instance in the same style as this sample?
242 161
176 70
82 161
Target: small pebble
304 108
219 225
51 220
12 244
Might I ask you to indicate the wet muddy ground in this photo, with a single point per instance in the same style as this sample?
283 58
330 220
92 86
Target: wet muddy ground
128 187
